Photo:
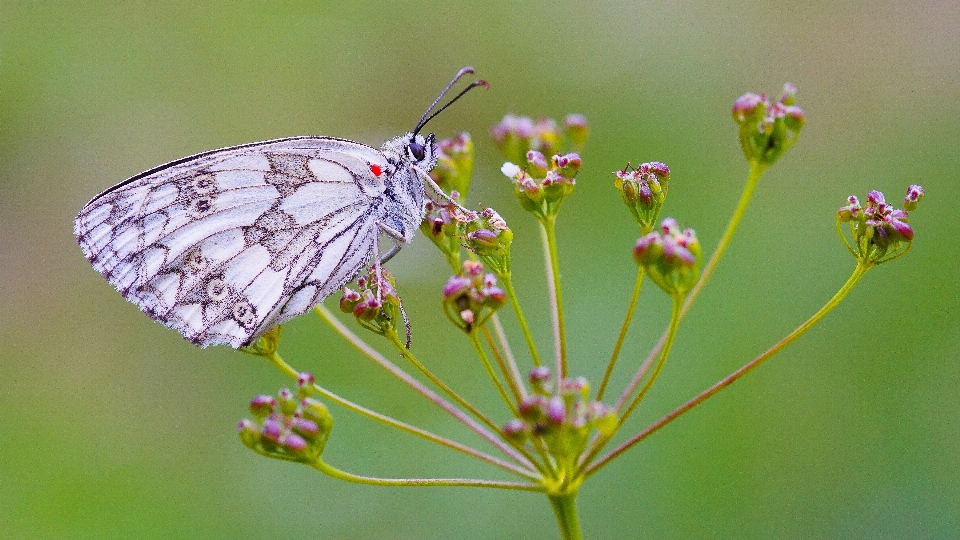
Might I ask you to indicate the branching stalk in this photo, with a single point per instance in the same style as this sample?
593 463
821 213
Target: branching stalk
858 273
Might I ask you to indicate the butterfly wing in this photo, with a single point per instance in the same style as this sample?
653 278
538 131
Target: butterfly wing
224 245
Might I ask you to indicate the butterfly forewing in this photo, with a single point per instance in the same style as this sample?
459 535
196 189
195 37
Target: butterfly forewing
226 244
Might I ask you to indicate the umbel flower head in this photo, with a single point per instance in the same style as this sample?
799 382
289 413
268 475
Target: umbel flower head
880 232
471 298
644 191
559 416
489 238
292 426
375 305
768 130
542 185
671 257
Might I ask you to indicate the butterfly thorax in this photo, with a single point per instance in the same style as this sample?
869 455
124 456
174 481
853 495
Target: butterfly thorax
403 207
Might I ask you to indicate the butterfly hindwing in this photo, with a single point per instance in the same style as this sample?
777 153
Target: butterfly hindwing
226 244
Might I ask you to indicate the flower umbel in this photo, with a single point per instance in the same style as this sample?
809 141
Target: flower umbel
542 186
768 130
292 427
671 257
376 305
470 299
880 232
644 191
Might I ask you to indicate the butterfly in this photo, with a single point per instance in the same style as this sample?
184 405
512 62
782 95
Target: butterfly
226 244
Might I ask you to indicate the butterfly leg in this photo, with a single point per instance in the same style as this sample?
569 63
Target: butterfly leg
378 260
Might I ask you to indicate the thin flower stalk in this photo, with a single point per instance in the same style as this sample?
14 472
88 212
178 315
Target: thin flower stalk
485 360
852 281
507 283
628 318
288 370
756 171
423 482
371 353
508 368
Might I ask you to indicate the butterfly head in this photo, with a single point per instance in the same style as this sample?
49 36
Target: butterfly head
414 149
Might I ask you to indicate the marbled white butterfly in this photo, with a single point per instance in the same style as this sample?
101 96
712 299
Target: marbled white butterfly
226 244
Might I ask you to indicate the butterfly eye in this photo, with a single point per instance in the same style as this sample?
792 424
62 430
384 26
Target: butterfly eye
417 150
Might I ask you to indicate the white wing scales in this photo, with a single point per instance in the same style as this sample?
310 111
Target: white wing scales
224 245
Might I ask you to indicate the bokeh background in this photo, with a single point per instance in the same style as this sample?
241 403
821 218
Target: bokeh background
114 427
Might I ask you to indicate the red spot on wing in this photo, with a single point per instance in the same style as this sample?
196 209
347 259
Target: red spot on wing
375 169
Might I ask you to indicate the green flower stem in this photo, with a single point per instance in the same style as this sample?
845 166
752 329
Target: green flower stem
485 360
507 282
394 338
597 443
756 171
288 370
372 354
671 335
449 482
509 371
637 287
565 507
548 228
852 281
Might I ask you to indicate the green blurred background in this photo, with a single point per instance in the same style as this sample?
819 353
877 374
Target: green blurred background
115 427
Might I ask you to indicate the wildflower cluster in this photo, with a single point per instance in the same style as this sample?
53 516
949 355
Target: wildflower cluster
768 130
880 232
376 305
644 191
559 417
291 426
671 257
541 186
454 165
471 298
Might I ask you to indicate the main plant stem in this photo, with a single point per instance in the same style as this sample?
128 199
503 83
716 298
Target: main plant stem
565 508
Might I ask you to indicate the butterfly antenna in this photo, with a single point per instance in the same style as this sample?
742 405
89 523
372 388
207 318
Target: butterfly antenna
427 116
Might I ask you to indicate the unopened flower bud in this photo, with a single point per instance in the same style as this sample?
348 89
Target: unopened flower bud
293 443
567 165
367 310
531 408
456 286
546 136
317 412
349 300
308 429
262 406
556 410
483 240
249 433
287 402
272 429
305 378
536 164
578 387
516 430
913 197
